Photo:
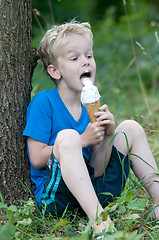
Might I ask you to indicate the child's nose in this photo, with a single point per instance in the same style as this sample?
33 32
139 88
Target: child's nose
85 61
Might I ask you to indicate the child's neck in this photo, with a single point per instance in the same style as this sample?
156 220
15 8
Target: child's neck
75 111
73 104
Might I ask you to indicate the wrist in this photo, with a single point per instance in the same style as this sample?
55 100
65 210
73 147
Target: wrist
83 140
108 138
110 134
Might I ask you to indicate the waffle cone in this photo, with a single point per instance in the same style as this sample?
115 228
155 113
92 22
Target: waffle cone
91 109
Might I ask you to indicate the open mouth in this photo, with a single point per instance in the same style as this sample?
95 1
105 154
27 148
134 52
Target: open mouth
86 74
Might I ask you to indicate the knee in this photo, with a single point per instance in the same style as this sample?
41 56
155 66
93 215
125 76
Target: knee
68 138
132 129
129 132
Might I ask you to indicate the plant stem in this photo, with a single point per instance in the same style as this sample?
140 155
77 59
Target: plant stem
136 62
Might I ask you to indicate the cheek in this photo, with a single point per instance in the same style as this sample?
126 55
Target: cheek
94 72
94 66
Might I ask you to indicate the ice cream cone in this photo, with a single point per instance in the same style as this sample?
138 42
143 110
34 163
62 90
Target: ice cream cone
91 109
90 98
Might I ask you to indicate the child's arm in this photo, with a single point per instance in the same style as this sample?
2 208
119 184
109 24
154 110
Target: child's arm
100 134
39 153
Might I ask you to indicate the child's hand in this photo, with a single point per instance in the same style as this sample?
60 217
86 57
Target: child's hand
106 119
93 134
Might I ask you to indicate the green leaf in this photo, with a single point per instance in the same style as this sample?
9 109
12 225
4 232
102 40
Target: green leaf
88 228
129 196
3 205
62 223
104 216
122 235
122 209
111 227
84 236
7 231
112 207
10 214
132 217
138 205
25 222
13 208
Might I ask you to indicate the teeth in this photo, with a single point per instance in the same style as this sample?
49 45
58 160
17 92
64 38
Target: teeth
86 71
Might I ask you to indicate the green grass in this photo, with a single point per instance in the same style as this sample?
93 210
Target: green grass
131 214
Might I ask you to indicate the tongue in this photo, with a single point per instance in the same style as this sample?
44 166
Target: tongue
86 81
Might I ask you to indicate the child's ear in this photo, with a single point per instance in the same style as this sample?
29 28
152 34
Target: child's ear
53 72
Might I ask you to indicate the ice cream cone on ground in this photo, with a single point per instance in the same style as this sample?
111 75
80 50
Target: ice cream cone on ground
91 109
90 98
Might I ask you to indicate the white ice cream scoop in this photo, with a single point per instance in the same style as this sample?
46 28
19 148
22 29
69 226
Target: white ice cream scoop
89 92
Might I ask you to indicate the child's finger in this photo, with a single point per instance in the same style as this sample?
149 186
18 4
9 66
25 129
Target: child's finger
104 108
104 115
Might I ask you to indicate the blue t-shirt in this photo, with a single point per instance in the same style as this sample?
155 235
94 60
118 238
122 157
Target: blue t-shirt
46 116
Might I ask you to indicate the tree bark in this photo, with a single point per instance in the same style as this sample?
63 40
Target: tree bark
16 67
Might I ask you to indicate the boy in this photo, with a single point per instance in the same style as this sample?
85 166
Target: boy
75 151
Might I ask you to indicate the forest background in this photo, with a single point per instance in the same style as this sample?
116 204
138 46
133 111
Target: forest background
126 47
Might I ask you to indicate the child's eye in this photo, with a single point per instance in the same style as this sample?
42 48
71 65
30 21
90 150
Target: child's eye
74 59
89 56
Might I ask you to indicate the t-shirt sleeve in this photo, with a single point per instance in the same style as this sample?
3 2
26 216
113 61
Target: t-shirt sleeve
39 118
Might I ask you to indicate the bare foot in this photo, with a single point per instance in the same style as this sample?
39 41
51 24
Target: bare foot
104 225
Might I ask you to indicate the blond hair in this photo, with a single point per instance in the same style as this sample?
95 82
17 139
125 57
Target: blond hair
56 36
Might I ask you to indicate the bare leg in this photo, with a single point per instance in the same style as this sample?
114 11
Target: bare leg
138 145
68 152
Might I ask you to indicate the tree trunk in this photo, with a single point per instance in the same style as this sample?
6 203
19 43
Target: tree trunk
16 60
